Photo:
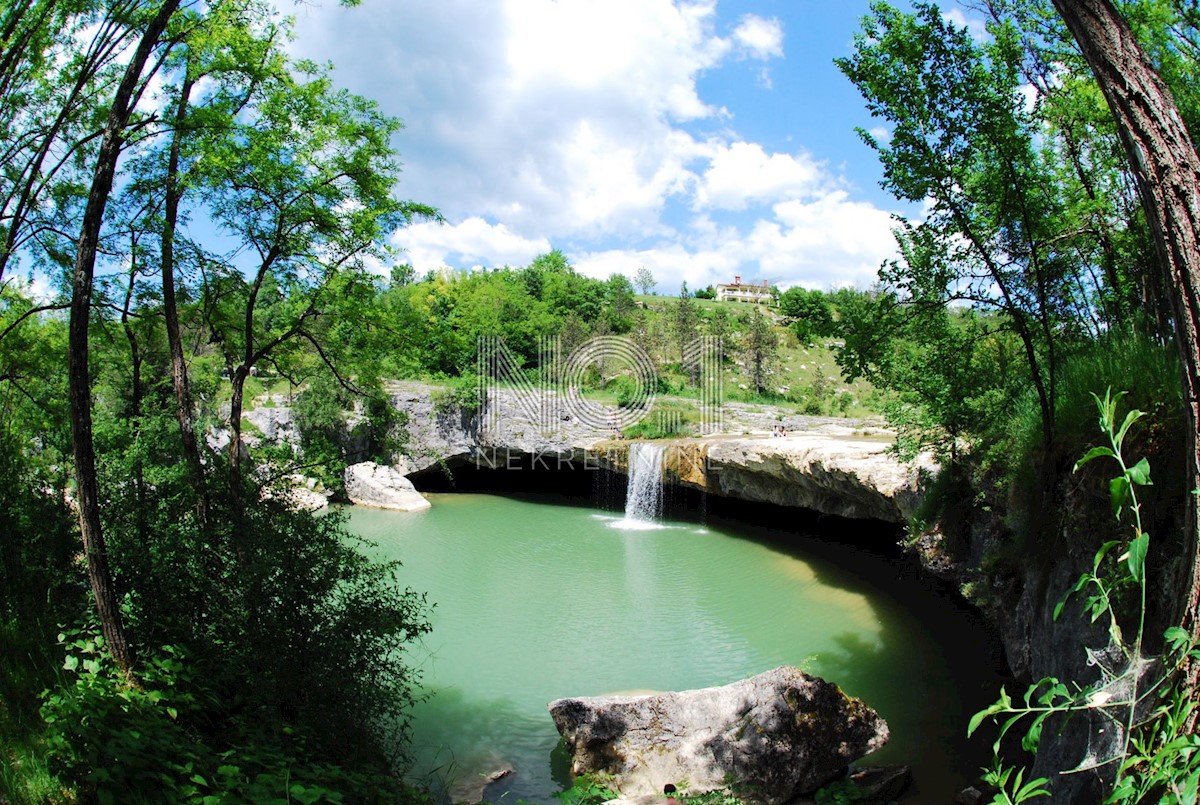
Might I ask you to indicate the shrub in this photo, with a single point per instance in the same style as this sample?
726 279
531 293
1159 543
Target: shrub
114 741
461 395
1018 459
1144 703
285 599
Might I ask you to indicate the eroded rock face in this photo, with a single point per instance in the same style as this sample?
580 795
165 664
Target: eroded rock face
777 735
827 473
371 484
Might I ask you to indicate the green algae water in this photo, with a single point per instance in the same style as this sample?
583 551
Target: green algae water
540 600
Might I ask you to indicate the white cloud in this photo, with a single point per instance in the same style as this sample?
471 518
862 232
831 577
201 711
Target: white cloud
671 264
827 241
759 37
428 246
741 173
832 240
881 133
976 26
560 118
580 124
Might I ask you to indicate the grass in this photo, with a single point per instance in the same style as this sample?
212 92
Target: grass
25 777
805 377
1124 361
667 419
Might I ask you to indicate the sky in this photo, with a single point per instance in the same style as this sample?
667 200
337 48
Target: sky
702 139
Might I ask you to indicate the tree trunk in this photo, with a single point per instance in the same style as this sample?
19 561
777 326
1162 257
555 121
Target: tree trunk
1167 170
136 392
179 377
237 505
79 381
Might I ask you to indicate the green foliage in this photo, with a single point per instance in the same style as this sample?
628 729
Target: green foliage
950 373
810 312
760 349
1032 232
286 679
667 420
320 627
320 414
685 320
111 739
28 665
106 735
629 393
1154 755
37 552
327 441
1013 450
588 789
462 396
644 280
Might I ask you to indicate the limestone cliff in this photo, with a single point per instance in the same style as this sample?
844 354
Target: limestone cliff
828 466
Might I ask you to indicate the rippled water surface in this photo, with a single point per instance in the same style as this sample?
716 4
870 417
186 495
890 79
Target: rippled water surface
535 601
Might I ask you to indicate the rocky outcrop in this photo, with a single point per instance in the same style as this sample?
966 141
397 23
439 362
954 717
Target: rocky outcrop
830 468
824 465
777 735
303 496
831 473
275 424
371 484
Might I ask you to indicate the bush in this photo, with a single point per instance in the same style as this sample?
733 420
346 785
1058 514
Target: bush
114 741
462 395
37 543
1126 360
664 421
287 600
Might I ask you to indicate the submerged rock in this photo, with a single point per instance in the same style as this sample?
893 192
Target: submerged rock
474 788
773 736
371 484
879 784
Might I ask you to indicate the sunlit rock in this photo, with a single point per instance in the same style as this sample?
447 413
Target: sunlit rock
371 484
772 737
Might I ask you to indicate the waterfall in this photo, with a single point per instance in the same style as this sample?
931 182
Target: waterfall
643 501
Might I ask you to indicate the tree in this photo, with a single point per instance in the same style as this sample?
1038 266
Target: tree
685 319
303 182
810 312
132 83
760 348
644 280
720 327
1163 158
998 234
57 60
619 303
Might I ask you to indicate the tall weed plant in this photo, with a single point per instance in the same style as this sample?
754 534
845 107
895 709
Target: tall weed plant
1140 705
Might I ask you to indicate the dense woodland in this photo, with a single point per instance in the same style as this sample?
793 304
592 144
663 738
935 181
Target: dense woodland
190 219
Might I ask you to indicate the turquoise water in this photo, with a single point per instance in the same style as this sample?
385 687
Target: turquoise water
537 600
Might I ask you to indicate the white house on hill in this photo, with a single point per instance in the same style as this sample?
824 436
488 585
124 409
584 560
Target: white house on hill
739 292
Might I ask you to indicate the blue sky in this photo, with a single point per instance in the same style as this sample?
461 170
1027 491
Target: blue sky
701 139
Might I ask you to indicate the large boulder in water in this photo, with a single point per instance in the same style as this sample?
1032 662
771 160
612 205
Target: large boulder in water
775 736
371 484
